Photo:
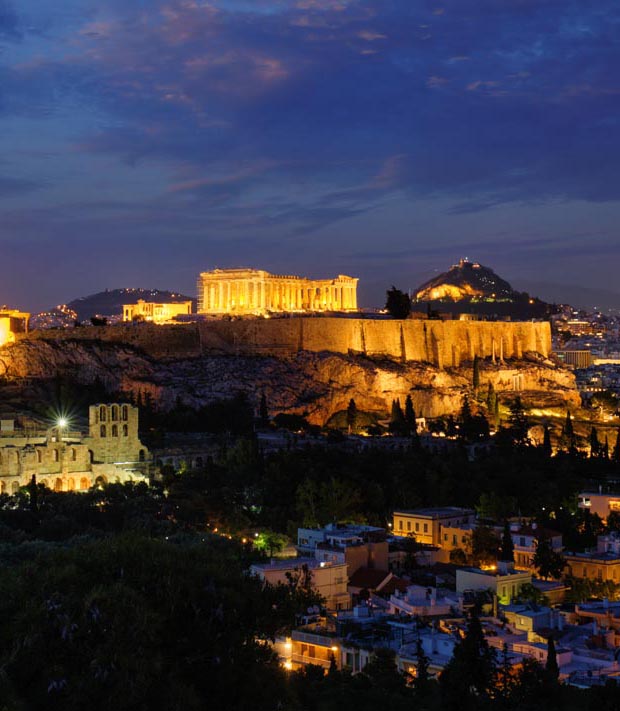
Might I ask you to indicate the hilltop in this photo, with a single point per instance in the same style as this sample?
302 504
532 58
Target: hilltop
471 287
110 302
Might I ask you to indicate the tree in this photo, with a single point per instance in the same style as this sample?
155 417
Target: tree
507 549
552 669
595 445
263 411
468 680
410 418
421 681
616 453
547 562
351 416
476 374
383 672
398 303
546 445
484 545
398 424
518 423
568 440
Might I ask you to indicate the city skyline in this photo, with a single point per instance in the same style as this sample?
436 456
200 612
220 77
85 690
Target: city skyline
143 142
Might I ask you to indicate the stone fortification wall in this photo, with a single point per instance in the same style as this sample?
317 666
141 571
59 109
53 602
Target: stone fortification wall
443 343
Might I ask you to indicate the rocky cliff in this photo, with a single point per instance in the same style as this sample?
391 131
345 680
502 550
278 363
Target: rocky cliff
317 384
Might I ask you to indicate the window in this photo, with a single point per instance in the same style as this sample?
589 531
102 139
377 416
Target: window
102 413
102 431
409 525
454 540
114 430
400 524
114 413
417 526
125 413
125 431
522 542
426 528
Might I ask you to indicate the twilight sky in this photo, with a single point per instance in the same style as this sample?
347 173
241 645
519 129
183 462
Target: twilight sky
145 140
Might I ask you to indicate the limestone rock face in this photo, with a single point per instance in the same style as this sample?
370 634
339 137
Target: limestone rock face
314 384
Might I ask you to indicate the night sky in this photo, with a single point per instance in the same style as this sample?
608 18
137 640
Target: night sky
146 140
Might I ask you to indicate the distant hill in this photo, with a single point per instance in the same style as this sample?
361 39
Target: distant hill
466 280
469 287
110 302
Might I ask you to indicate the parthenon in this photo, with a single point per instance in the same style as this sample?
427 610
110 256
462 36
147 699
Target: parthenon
254 291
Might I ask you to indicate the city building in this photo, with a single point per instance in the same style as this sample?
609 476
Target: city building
599 503
427 524
504 585
525 538
157 313
575 358
254 291
602 564
328 579
66 460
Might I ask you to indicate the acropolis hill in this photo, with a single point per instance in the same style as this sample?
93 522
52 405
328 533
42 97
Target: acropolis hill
309 365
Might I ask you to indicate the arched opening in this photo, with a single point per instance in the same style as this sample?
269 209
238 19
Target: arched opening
39 456
125 413
101 480
141 455
91 456
84 483
102 414
45 483
58 485
70 484
114 413
15 487
73 454
2 487
102 431
114 430
125 431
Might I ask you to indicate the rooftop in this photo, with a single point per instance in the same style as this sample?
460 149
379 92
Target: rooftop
435 512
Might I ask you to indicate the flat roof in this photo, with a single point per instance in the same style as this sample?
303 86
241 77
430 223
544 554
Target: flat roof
436 511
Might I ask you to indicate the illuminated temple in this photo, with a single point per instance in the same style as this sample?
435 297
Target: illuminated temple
253 291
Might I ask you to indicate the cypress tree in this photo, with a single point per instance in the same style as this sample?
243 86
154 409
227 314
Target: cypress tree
351 415
605 451
476 374
595 445
410 415
507 549
616 453
547 449
551 667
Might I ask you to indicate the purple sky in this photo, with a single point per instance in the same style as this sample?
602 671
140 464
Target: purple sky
146 140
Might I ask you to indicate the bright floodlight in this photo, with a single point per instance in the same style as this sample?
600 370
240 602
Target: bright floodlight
62 421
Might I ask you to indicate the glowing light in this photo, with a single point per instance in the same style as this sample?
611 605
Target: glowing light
62 422
288 665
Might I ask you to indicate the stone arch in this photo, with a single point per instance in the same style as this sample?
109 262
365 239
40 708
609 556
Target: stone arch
125 413
58 484
2 487
114 413
102 431
84 483
45 483
101 480
70 484
102 413
114 430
